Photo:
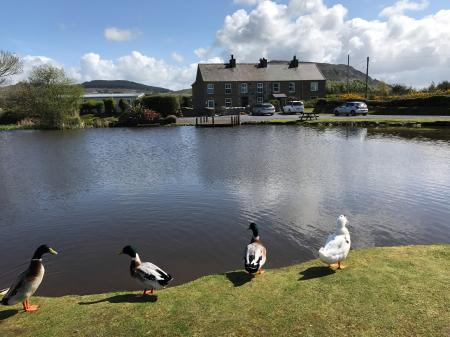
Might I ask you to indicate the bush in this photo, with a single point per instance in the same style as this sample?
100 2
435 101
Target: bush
92 107
276 104
11 117
123 105
137 114
171 119
164 105
110 106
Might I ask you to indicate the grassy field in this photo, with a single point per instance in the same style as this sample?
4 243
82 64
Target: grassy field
398 291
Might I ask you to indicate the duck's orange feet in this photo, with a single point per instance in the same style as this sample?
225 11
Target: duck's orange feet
334 266
29 308
261 271
341 266
148 292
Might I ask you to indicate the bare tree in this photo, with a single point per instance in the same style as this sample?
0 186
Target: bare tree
10 65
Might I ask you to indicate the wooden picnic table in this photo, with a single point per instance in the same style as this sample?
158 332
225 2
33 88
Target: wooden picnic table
308 115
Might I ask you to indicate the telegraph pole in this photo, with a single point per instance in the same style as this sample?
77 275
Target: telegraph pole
348 69
367 75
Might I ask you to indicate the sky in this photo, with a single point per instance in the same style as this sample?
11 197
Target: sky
160 43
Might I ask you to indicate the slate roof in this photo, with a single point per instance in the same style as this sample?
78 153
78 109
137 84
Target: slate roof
249 72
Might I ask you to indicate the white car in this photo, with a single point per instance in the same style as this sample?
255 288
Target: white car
294 107
263 109
352 108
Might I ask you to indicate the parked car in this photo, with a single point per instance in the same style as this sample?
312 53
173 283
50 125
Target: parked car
351 108
294 107
263 109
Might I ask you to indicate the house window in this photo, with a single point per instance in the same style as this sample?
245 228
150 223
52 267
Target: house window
210 88
314 86
210 103
244 88
259 88
228 102
291 86
276 87
227 88
259 99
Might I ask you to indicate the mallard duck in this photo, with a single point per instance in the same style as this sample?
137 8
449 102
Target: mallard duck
27 282
337 245
147 274
255 253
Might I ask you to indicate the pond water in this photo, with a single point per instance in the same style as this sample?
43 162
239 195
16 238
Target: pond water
184 197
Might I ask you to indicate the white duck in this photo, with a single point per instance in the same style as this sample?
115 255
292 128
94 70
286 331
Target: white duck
337 245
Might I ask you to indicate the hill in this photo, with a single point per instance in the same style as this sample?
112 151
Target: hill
121 85
338 72
391 291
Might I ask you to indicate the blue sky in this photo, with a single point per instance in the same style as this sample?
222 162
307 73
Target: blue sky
165 34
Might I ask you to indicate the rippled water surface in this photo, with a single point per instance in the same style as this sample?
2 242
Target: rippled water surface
184 196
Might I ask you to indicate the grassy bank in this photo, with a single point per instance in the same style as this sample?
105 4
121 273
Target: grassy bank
370 121
400 291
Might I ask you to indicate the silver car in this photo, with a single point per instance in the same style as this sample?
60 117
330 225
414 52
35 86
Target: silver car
263 109
352 108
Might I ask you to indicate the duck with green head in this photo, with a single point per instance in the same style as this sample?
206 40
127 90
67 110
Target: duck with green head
148 275
28 282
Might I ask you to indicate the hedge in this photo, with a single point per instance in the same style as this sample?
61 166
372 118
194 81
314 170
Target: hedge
164 105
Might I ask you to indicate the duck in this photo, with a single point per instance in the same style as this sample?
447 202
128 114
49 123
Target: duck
255 255
337 246
28 282
148 275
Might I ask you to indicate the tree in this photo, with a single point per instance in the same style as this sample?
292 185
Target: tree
51 96
10 65
110 106
123 105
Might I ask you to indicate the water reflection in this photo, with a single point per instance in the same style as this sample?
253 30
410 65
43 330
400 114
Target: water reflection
184 197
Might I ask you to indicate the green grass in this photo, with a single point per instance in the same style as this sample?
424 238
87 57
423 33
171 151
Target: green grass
8 127
397 291
370 121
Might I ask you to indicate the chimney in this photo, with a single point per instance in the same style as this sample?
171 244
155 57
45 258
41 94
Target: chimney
262 63
294 62
232 63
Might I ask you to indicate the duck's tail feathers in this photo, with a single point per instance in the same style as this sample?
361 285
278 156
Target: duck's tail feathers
325 258
4 291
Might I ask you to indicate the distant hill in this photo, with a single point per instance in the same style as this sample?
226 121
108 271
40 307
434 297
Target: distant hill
121 85
338 72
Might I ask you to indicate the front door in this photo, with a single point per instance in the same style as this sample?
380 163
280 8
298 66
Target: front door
244 100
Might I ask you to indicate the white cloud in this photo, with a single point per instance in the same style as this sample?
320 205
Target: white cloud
246 2
401 48
120 35
133 67
404 5
177 57
200 52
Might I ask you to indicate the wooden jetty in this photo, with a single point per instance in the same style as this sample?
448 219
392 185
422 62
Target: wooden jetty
218 121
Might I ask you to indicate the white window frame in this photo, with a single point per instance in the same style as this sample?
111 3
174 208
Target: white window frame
259 99
259 88
291 86
210 103
244 91
228 102
227 88
210 88
314 86
278 87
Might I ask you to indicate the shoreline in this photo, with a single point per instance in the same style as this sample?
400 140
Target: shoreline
381 121
399 291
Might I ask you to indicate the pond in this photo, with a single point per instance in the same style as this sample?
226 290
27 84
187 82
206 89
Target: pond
184 197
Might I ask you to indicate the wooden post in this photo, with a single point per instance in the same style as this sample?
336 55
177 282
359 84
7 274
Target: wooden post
367 75
212 120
